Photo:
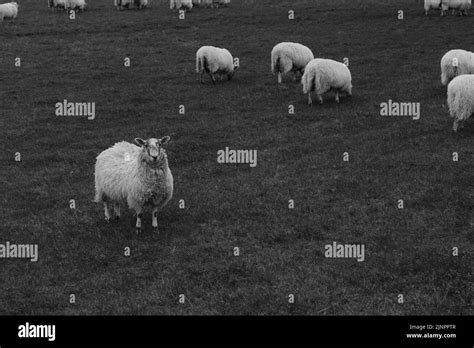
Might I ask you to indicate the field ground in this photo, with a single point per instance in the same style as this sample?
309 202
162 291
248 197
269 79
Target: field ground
408 251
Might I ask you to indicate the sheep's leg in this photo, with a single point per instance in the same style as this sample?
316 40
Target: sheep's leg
280 79
320 98
337 97
139 221
200 78
212 78
107 211
117 210
155 219
455 125
310 101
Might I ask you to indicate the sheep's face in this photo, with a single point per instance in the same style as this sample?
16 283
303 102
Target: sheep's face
152 150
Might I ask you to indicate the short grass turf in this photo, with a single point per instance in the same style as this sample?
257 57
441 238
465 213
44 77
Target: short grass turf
300 157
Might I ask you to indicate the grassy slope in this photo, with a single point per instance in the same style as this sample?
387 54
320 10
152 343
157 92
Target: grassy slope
300 158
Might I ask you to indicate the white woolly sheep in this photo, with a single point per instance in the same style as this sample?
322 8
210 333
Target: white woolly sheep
181 4
290 56
432 4
454 63
323 75
8 11
462 6
461 99
138 174
76 5
214 60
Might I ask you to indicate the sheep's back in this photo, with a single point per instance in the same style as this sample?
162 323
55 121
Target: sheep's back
465 61
461 96
218 59
330 73
299 54
116 169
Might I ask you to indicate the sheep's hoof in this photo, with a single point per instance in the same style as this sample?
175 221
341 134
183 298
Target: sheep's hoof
155 230
107 220
138 230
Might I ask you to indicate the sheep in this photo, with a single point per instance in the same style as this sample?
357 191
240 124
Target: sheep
215 3
454 63
322 75
181 4
461 99
462 6
76 4
139 4
429 4
289 56
214 60
9 11
138 174
57 4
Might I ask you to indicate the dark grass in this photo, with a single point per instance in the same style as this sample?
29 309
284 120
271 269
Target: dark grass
299 157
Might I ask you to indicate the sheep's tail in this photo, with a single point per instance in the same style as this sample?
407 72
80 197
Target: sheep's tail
199 63
98 197
275 63
456 107
202 64
308 82
99 194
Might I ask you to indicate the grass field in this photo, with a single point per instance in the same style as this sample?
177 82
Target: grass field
300 157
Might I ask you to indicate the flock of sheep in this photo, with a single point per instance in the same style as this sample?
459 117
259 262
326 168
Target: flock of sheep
462 6
140 174
139 4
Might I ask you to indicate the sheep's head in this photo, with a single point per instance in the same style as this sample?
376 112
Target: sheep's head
152 150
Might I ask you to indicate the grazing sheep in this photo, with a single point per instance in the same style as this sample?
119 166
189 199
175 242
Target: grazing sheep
207 3
57 4
454 63
214 60
138 174
8 11
139 4
461 99
181 4
76 4
214 3
429 4
290 56
462 6
323 75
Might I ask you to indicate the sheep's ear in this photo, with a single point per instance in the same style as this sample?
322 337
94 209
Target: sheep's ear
140 141
165 140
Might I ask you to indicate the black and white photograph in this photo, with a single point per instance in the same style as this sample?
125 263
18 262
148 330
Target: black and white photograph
170 159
